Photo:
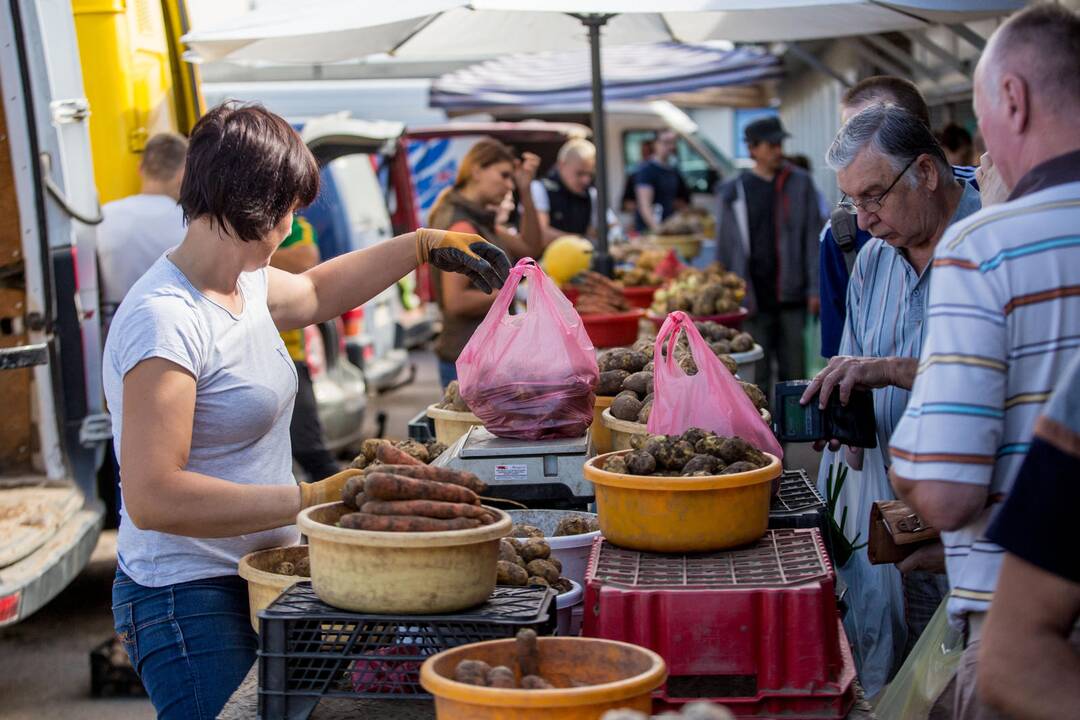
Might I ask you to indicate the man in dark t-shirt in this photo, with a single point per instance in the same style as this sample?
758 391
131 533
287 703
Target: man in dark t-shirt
659 183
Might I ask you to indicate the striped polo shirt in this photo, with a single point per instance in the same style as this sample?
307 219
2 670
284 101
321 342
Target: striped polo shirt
1003 320
886 309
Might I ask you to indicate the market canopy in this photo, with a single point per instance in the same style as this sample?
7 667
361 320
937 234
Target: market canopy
325 31
630 72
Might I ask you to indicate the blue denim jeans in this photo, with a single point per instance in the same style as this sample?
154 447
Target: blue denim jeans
191 643
447 372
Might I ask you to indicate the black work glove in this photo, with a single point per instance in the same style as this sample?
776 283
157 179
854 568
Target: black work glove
471 255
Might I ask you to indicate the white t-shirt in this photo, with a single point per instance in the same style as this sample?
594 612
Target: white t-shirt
245 386
543 202
136 231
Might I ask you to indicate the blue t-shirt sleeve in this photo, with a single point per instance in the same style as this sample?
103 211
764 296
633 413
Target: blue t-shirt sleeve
646 176
833 290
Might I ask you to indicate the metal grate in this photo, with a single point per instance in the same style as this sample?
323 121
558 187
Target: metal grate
308 649
781 558
797 494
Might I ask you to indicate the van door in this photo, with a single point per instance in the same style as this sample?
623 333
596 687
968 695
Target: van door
53 423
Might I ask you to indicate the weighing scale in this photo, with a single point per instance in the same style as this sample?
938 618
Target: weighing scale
538 473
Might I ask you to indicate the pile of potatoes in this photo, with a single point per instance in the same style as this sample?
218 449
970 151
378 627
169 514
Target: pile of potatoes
452 399
423 452
478 672
713 291
695 453
627 374
525 559
300 568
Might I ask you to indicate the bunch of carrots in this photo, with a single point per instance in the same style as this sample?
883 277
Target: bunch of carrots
400 494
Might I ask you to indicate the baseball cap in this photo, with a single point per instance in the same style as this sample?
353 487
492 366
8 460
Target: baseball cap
767 130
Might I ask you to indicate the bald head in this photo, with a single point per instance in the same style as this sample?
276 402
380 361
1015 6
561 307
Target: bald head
1027 89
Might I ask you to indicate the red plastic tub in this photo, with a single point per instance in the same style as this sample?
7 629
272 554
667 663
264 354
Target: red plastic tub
614 330
731 320
640 297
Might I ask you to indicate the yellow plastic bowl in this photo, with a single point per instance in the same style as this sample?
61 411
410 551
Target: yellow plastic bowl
410 573
451 424
619 675
682 514
264 585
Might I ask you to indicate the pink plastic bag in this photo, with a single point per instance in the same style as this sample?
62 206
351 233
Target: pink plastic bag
711 400
530 376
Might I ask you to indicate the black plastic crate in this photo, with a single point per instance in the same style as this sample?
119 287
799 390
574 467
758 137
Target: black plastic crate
309 650
798 504
422 428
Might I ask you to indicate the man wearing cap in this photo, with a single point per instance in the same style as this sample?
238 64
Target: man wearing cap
768 228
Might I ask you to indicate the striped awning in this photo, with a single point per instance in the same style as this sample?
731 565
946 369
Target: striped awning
630 72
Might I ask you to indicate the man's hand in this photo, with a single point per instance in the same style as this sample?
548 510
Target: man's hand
928 558
847 373
813 305
525 172
992 189
484 264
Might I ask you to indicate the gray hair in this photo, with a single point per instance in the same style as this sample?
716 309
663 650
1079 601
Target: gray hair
892 131
1041 43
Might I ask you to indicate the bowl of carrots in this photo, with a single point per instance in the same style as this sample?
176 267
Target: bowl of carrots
406 538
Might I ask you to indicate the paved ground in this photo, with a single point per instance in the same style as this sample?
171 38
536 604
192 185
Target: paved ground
44 661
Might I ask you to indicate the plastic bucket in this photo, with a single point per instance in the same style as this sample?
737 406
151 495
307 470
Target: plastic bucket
601 436
748 362
682 514
263 585
571 550
451 424
566 602
640 297
613 330
619 675
400 573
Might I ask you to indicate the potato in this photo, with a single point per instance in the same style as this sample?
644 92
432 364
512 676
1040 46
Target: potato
535 682
521 530
572 525
535 549
501 676
515 543
563 585
729 363
706 464
654 444
616 465
537 580
285 568
413 449
736 449
369 447
507 573
434 449
508 553
610 382
646 412
544 569
303 567
622 359
649 367
557 563
687 364
626 407
645 346
709 445
675 455
640 383
742 342
640 462
755 394
692 435
359 462
472 672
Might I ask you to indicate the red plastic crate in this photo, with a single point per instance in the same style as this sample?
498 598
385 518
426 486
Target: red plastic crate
615 330
640 297
755 628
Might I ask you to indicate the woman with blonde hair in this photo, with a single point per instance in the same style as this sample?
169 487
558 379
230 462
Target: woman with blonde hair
489 173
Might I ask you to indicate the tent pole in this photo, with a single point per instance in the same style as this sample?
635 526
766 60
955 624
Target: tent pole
602 261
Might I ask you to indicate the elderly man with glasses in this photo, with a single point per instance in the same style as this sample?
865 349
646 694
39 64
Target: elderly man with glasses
898 183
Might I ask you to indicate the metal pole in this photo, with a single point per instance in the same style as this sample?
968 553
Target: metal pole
602 259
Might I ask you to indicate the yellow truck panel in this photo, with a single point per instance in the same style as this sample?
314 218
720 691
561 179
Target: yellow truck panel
131 68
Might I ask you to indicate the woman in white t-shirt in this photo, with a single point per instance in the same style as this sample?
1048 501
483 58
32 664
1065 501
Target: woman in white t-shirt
201 390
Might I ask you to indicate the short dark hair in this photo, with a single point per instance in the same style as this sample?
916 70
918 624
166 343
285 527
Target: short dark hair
246 169
164 156
1052 33
892 89
954 138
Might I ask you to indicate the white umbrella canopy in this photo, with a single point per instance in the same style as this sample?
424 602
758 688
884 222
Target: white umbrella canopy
325 31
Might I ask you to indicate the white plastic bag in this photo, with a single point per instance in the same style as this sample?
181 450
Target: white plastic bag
874 622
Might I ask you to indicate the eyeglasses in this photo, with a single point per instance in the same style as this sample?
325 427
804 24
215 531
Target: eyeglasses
872 205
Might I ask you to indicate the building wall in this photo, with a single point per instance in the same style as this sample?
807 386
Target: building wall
810 111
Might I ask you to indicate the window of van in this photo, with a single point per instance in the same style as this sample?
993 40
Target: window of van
362 198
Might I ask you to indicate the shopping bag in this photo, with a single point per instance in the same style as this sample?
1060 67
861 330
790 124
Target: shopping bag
926 673
812 360
711 400
530 375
